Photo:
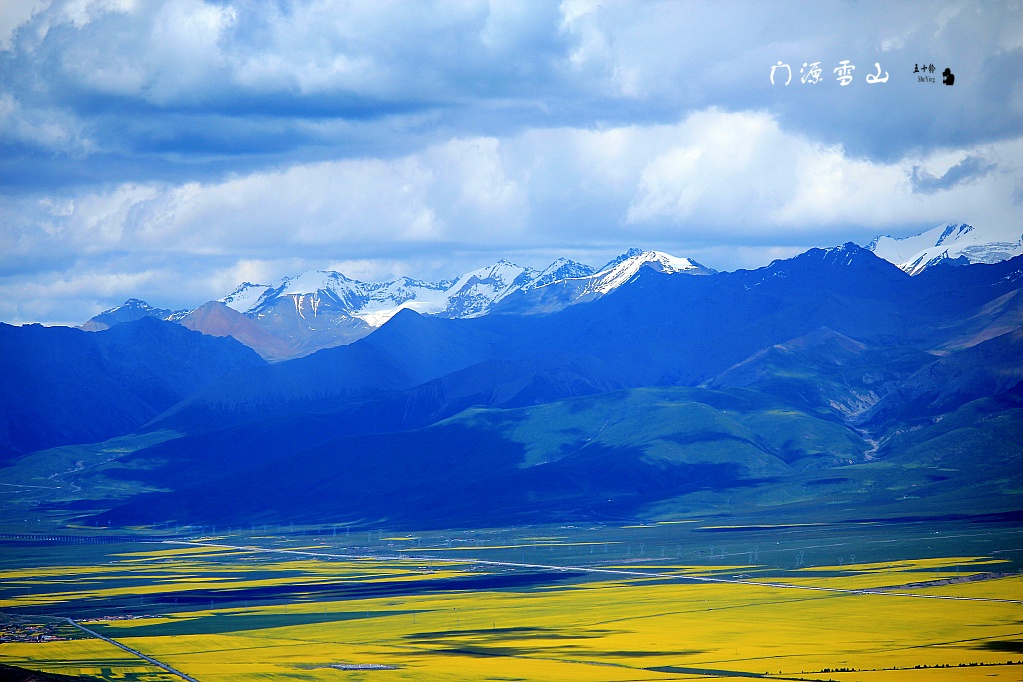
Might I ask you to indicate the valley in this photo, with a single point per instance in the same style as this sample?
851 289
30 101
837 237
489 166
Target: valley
810 471
901 601
483 340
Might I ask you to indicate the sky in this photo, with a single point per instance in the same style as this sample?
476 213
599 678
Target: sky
171 149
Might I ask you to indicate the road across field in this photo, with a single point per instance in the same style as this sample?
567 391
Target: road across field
134 652
588 569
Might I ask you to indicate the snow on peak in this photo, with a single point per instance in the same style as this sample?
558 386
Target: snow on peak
960 243
249 298
844 254
245 296
954 233
625 268
385 299
136 306
631 253
558 271
132 309
475 292
326 292
315 281
502 272
131 304
333 293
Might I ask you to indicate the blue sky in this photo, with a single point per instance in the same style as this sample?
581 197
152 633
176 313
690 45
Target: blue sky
170 150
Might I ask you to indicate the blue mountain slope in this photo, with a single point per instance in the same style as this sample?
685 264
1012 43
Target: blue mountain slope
63 385
658 330
409 350
599 457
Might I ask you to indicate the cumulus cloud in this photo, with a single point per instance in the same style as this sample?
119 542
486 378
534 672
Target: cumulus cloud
502 65
734 177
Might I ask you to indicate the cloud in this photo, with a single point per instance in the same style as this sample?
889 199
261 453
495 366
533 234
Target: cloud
65 297
44 128
711 171
209 55
734 177
969 169
13 15
131 69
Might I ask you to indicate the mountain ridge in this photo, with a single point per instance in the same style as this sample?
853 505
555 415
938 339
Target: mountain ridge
831 376
317 309
949 244
63 385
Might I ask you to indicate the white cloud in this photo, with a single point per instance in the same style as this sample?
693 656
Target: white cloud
474 186
171 68
222 280
167 52
247 139
187 51
47 128
735 177
80 13
65 298
13 15
740 172
325 203
103 222
455 191
721 168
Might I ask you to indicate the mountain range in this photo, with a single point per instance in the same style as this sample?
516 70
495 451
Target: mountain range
829 385
320 309
955 244
299 315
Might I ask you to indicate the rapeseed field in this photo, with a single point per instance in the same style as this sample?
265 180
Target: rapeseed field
233 615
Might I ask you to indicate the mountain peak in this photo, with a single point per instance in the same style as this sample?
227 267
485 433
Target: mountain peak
953 233
625 269
313 281
842 254
558 271
631 253
245 296
848 249
951 243
131 310
329 302
215 318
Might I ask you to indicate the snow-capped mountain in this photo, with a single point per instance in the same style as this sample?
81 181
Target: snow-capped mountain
558 271
547 296
623 270
322 308
326 294
961 244
244 296
130 310
475 292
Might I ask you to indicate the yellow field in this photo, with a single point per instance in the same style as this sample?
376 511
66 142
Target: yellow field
628 629
83 657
